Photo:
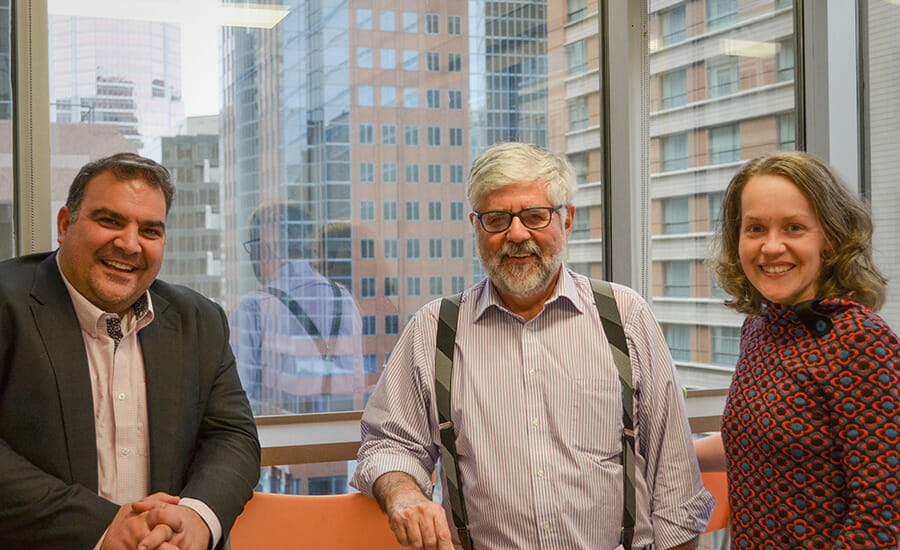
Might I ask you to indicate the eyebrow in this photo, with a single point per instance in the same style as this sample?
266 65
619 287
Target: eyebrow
156 224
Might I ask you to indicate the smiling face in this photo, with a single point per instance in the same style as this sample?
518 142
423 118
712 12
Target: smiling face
781 240
112 251
522 263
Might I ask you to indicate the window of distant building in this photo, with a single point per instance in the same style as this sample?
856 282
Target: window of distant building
673 88
579 162
389 134
455 99
391 323
725 345
365 96
367 249
413 249
387 21
411 98
432 62
575 10
411 135
367 172
389 209
412 211
458 283
456 173
370 363
435 285
367 287
432 23
678 337
784 60
673 25
454 62
787 137
457 248
410 60
390 289
576 56
367 210
456 211
454 25
456 137
435 211
715 209
434 173
434 136
675 214
433 99
722 76
364 58
413 286
390 249
674 152
677 279
412 172
389 172
364 19
331 485
388 96
388 58
724 144
366 134
410 21
578 113
721 13
369 325
435 248
781 4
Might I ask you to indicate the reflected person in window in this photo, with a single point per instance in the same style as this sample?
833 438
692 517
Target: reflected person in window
298 338
536 401
122 418
810 435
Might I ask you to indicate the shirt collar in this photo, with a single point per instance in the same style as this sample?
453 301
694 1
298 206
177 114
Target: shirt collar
564 291
92 319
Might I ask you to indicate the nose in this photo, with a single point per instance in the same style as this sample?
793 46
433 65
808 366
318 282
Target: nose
127 240
517 232
773 243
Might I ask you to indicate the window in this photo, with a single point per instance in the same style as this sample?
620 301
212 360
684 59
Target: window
432 23
389 172
412 211
435 285
787 139
576 9
391 322
780 4
390 288
367 211
410 21
432 62
433 99
410 60
388 59
677 279
673 88
458 283
579 162
413 286
435 209
331 485
456 211
434 173
721 13
434 136
725 345
367 172
364 58
724 144
386 21
435 248
578 113
784 60
367 287
364 19
456 137
366 134
576 55
457 248
390 249
674 152
673 25
454 25
413 249
410 98
455 99
389 134
722 76
412 172
367 249
411 135
675 215
456 173
388 96
365 96
370 363
678 337
715 208
368 325
454 62
389 209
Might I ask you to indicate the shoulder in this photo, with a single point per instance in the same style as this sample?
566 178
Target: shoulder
17 274
857 326
631 305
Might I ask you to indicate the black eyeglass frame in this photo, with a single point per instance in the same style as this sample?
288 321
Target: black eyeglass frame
248 245
550 209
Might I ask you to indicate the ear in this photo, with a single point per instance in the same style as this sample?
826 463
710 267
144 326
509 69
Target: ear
570 217
63 219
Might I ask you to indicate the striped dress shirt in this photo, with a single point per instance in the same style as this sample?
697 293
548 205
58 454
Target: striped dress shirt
538 415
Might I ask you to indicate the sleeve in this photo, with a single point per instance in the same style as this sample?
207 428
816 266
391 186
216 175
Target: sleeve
865 399
225 466
399 432
246 344
680 505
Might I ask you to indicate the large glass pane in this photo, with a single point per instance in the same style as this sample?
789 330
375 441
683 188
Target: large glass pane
7 221
734 101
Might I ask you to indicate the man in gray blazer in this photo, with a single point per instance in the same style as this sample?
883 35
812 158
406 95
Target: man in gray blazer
122 418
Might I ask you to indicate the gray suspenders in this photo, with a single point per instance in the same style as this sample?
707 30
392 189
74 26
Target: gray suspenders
443 366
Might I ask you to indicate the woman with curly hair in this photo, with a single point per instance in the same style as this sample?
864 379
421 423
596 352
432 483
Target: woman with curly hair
811 430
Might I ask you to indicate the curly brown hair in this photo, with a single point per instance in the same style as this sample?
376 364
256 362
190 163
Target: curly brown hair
847 267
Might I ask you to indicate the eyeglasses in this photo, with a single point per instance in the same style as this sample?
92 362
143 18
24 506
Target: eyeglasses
250 245
536 217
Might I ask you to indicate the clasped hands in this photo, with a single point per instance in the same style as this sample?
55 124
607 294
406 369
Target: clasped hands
156 522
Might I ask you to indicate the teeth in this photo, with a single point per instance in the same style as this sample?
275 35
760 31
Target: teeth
779 269
117 265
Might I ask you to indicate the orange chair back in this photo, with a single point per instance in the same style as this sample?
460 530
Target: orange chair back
717 484
333 522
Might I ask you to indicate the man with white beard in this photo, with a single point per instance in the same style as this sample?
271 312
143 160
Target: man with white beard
537 415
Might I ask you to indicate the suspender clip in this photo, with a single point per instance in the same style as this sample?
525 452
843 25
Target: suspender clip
445 425
627 433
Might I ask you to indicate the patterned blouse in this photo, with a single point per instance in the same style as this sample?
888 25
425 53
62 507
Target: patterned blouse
812 429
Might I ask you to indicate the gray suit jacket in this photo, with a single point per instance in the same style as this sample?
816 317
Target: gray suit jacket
203 441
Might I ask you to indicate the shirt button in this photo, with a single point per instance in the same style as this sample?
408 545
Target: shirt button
121 396
532 372
126 452
536 422
540 472
546 526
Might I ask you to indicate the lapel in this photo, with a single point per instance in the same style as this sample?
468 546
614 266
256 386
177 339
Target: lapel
58 327
161 347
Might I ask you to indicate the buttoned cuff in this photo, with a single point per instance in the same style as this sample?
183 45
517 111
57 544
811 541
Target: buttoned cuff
212 521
